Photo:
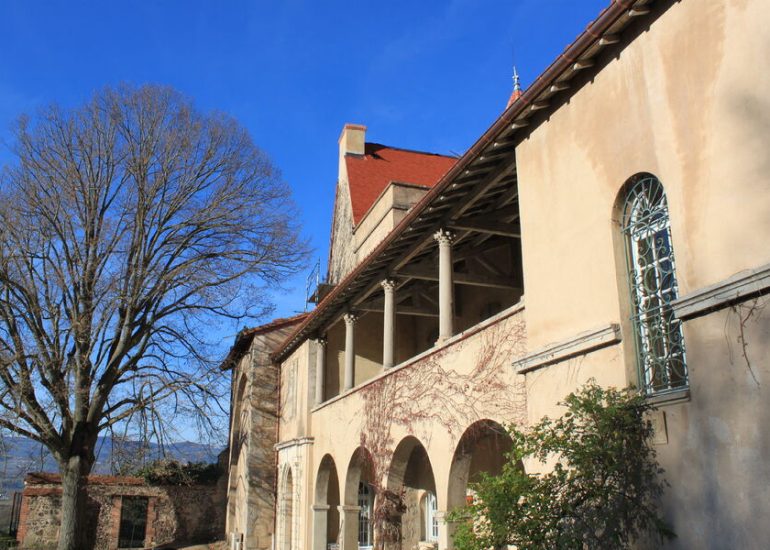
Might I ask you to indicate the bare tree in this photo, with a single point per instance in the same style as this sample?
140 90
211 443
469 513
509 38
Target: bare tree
130 226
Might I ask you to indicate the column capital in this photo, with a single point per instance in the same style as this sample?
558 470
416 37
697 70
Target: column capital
350 317
321 341
444 237
348 509
388 284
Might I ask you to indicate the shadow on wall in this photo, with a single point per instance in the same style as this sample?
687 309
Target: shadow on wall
716 457
93 520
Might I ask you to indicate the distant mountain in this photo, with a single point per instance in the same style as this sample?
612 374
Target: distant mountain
19 455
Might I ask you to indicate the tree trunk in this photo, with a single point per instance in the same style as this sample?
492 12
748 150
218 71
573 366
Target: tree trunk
72 531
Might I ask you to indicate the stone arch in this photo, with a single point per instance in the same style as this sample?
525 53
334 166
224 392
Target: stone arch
410 479
482 448
620 196
360 474
326 521
286 509
360 469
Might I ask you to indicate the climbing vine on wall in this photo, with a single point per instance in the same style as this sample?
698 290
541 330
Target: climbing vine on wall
431 392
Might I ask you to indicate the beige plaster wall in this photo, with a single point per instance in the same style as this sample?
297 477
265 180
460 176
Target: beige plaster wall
435 399
335 360
368 347
295 386
368 335
684 101
687 102
717 442
389 209
474 304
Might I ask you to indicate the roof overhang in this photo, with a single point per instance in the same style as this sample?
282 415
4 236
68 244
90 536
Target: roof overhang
487 165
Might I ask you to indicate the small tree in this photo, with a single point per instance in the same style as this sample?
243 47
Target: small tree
129 227
600 491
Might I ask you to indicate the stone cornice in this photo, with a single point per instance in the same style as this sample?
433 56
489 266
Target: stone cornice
296 442
577 345
438 348
737 288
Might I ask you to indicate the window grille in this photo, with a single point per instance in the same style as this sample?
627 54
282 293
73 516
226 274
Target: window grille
652 280
366 504
431 521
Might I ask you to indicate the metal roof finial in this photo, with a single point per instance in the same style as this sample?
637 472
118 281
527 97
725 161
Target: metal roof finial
516 84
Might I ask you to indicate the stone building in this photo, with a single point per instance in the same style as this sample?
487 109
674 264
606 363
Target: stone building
612 224
124 512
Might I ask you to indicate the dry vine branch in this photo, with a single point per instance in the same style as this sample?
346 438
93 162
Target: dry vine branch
751 309
130 225
432 392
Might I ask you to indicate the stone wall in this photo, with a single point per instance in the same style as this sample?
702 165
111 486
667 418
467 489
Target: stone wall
174 513
253 432
342 257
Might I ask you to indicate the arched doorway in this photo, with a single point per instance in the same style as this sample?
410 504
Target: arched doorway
286 511
360 498
411 497
326 516
483 447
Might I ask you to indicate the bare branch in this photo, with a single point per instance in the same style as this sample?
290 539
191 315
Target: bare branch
130 225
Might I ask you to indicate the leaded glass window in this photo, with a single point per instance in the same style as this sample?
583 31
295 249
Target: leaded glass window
366 505
652 280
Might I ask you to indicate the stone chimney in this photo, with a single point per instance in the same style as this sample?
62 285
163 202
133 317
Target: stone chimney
352 140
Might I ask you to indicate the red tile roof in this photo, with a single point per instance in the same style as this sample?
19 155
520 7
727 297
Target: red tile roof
369 174
514 96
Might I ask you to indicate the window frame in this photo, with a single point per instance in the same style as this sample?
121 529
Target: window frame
125 521
430 519
366 508
651 274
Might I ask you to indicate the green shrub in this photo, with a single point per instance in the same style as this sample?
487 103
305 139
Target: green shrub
173 472
601 486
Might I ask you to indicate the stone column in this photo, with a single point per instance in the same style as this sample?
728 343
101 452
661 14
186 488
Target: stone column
389 323
349 527
320 517
350 349
320 369
444 239
445 540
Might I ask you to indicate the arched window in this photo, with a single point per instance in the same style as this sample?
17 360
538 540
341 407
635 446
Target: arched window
652 281
366 505
431 521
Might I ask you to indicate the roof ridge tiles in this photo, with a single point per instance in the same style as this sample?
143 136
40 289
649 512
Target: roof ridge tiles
408 150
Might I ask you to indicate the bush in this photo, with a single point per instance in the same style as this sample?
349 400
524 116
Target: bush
600 493
173 472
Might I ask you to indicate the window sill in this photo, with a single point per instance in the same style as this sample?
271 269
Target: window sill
670 398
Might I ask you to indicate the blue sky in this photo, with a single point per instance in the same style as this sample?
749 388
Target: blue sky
420 74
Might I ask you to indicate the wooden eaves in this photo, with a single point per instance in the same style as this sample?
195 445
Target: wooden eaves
486 170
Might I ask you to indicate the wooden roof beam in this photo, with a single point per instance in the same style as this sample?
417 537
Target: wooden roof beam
470 279
482 224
